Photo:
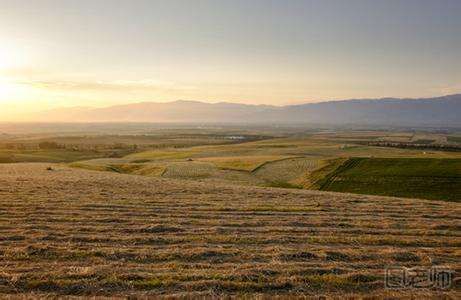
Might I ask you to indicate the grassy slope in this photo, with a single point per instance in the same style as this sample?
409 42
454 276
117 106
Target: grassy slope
244 163
161 154
99 233
266 164
289 172
9 156
403 177
454 139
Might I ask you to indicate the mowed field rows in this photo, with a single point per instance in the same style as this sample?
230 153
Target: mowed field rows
78 232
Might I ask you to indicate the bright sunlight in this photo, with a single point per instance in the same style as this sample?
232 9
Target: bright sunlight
8 58
7 89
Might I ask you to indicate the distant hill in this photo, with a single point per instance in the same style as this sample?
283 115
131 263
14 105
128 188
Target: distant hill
439 111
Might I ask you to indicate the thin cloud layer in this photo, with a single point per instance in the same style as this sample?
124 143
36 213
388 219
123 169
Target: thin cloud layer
116 85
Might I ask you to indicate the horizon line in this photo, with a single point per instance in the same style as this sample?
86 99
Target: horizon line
262 104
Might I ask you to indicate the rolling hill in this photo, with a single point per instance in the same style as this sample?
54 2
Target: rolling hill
69 232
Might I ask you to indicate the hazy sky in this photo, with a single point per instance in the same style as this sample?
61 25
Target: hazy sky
97 53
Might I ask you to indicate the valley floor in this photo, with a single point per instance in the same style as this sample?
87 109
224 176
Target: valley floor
70 231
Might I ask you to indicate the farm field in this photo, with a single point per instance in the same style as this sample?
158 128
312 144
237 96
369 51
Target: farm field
305 163
54 155
428 178
70 231
284 158
454 139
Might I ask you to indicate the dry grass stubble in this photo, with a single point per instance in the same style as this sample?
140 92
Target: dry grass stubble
78 232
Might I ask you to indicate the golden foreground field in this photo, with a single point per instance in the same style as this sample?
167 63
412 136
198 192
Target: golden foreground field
77 232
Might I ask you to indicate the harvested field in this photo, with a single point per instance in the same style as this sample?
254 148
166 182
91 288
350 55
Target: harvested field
243 163
77 232
160 155
294 171
189 170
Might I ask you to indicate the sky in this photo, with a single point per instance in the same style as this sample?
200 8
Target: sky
63 53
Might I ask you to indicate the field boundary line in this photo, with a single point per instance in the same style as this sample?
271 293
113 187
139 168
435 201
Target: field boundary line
273 161
348 164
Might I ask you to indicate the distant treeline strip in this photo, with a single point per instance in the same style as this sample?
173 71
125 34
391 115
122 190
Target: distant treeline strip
439 147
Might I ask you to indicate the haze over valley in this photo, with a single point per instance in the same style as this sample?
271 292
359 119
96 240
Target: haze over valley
439 111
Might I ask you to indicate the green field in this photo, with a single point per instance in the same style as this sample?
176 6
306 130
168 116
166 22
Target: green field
427 178
52 155
454 139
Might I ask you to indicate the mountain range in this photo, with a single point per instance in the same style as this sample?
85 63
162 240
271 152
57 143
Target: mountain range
437 111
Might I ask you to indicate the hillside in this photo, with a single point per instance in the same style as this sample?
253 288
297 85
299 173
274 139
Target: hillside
320 161
439 111
76 232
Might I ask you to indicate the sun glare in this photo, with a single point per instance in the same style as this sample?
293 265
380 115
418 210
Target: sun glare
11 56
6 90
6 58
9 59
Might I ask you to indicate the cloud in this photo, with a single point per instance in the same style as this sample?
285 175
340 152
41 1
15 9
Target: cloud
449 89
121 85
